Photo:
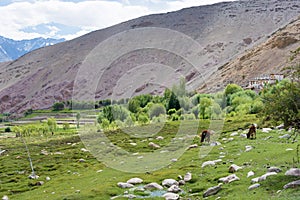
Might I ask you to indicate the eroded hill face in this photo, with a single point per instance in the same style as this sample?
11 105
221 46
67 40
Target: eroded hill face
144 55
282 49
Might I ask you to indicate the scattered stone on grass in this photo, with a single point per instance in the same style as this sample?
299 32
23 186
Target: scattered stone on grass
251 173
174 160
234 168
269 137
169 182
293 184
125 185
81 160
174 189
153 186
153 145
229 179
5 197
39 183
293 172
129 196
263 177
135 181
248 148
274 169
171 196
33 176
289 149
234 134
243 135
210 163
212 190
216 143
251 187
84 150
133 143
287 136
159 137
266 130
187 177
48 178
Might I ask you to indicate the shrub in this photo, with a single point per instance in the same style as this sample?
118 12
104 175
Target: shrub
58 106
7 130
157 110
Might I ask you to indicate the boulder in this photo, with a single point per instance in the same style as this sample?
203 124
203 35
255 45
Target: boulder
212 190
243 135
293 172
274 169
159 137
251 173
125 185
263 177
216 143
153 145
251 187
248 148
174 189
266 130
193 146
293 184
229 179
287 136
153 186
135 181
171 196
169 182
210 163
234 134
5 197
234 168
187 177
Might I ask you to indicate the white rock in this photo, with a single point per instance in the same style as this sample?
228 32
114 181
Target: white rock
234 168
229 179
174 189
255 180
217 161
216 143
289 149
33 176
212 190
153 145
5 197
169 182
208 163
293 184
130 196
230 139
48 178
135 181
84 150
187 177
266 130
153 186
285 136
133 143
125 185
274 169
171 196
251 173
251 187
81 160
159 137
263 177
248 148
100 170
174 160
293 172
243 135
234 134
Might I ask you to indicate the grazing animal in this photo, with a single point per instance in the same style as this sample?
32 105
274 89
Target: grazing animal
205 135
252 132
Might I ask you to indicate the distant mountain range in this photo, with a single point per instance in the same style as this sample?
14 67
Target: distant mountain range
13 49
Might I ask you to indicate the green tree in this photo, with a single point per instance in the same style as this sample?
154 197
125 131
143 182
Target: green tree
105 124
157 110
57 106
52 125
205 103
173 102
143 118
133 105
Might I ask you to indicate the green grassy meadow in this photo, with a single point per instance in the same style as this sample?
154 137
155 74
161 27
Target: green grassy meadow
58 157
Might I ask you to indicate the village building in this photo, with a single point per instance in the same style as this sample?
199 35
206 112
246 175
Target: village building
259 83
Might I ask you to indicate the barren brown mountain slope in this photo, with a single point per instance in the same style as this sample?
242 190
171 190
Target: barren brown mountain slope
210 36
282 49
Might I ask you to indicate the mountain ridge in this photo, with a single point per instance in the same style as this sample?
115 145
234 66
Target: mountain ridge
222 31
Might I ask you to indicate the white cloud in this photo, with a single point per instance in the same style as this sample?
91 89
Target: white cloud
89 15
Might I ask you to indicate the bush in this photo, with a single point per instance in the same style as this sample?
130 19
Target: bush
7 130
157 110
58 106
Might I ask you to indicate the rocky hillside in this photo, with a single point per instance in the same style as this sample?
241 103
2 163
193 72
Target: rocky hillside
149 54
282 49
12 49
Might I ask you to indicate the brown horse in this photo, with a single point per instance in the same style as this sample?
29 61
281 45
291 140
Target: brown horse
252 132
205 135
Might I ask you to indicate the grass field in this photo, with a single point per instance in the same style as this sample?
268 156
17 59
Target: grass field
59 157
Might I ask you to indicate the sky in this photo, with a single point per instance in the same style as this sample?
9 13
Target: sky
68 19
